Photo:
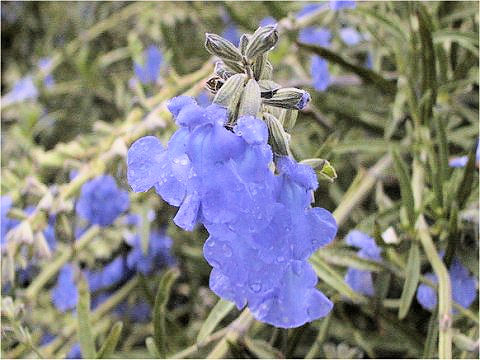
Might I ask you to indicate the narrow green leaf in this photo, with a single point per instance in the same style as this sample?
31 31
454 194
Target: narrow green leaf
468 40
322 334
111 342
429 350
349 258
335 280
441 137
262 350
395 28
465 187
405 187
160 308
411 280
219 311
144 229
151 347
84 330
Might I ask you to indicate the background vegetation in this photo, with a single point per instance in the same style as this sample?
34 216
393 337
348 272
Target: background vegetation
388 128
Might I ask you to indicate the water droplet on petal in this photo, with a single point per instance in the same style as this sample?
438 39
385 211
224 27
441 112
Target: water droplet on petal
211 243
280 259
255 286
297 268
227 250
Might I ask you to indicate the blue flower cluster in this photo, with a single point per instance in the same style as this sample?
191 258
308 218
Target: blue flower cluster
361 280
65 293
262 228
464 287
101 201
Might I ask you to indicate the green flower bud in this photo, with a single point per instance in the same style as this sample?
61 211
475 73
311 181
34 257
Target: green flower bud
231 90
289 98
221 70
263 40
277 137
323 168
224 49
244 40
251 99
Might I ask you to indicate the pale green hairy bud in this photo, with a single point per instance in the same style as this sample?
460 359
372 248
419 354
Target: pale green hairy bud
231 90
251 99
267 71
259 65
218 46
233 66
244 39
290 119
277 137
221 71
322 167
268 88
41 245
263 40
289 98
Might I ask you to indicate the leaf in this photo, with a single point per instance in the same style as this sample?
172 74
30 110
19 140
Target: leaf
159 310
322 168
389 23
465 187
332 278
84 330
219 311
405 188
468 40
111 342
348 258
151 347
411 280
262 349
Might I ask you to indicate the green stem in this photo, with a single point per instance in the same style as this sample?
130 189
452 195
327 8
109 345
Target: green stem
444 290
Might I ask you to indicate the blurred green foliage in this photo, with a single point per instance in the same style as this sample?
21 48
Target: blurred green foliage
419 101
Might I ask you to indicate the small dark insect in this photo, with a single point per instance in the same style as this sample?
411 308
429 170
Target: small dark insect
214 84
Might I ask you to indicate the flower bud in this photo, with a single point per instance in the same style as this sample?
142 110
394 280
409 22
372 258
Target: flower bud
323 168
244 40
235 67
41 245
232 89
268 88
218 46
289 98
290 119
259 65
263 40
277 137
251 99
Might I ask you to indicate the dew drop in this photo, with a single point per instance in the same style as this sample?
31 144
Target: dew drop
227 250
211 243
280 259
297 268
256 287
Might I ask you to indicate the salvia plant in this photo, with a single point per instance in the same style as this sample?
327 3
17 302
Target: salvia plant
239 180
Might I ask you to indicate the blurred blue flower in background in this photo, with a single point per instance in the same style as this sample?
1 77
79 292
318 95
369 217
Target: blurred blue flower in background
231 34
111 274
461 161
361 280
45 65
319 73
342 4
464 287
149 72
75 352
6 223
101 201
350 36
157 256
309 8
65 294
268 21
24 89
315 36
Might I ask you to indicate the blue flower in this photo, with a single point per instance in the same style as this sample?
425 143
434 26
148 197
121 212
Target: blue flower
75 352
320 74
45 65
464 287
101 201
111 274
157 256
315 36
148 72
310 8
350 36
342 4
262 228
23 90
268 21
65 294
361 280
231 34
462 160
6 223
